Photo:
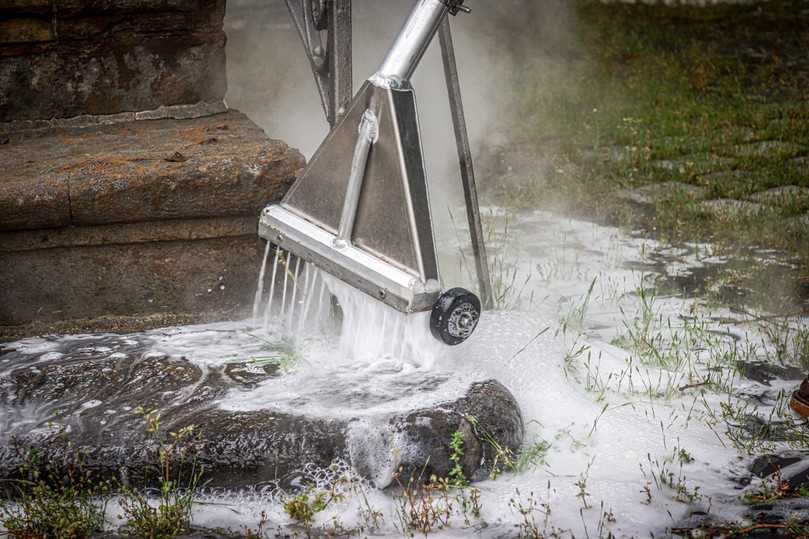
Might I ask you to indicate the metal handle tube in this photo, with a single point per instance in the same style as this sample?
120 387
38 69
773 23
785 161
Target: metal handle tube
413 40
368 132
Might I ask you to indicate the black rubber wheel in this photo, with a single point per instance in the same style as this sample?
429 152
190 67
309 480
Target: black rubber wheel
455 316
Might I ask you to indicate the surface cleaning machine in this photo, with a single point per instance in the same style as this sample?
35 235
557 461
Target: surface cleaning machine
360 211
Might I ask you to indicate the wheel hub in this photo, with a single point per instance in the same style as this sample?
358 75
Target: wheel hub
455 316
462 321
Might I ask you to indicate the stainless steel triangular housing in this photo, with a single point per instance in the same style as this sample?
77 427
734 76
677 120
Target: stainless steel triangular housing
390 254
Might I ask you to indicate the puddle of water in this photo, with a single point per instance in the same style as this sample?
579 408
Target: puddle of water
617 379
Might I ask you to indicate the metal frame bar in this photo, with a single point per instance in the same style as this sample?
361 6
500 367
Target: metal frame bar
332 65
398 288
466 164
340 53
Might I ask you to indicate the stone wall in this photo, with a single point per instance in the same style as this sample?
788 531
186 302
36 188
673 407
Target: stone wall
64 58
129 194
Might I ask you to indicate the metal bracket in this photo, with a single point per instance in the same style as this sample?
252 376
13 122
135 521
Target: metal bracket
456 5
325 29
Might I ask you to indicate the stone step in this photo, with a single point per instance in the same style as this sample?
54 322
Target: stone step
220 165
135 218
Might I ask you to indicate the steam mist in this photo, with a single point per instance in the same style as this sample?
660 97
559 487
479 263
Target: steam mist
270 80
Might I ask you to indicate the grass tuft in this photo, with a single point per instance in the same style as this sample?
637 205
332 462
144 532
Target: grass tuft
169 514
70 506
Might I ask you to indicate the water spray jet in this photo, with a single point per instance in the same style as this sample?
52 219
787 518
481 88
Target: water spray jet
360 211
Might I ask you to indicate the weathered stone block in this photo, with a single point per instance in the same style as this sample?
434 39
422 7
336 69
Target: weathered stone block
222 165
728 209
785 195
104 57
26 7
652 194
87 19
25 30
136 218
171 276
28 205
72 8
107 77
130 233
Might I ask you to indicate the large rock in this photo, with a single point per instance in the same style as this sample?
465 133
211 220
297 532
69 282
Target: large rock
76 398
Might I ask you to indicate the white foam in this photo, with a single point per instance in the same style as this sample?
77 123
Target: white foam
605 407
385 362
94 403
33 346
606 411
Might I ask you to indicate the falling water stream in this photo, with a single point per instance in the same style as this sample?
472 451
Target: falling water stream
369 329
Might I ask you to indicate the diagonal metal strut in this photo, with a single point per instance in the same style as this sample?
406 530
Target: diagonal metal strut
465 161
